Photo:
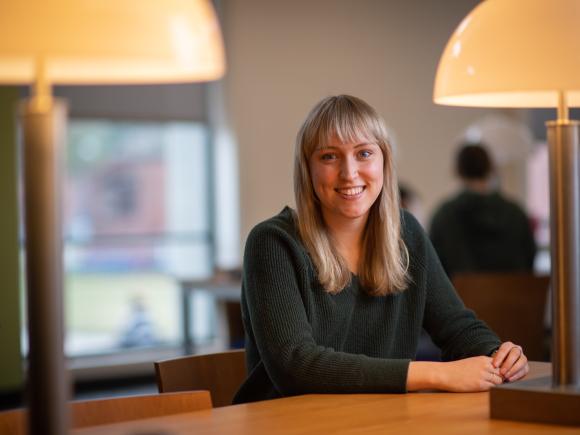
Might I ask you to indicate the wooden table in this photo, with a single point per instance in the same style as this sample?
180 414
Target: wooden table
406 414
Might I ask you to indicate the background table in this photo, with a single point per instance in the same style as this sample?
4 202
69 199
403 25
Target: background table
223 291
413 413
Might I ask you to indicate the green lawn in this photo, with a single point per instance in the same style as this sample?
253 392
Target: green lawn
101 303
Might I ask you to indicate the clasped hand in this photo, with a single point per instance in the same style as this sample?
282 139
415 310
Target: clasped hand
507 364
478 373
509 358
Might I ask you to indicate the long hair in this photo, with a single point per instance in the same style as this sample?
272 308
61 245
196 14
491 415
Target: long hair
384 261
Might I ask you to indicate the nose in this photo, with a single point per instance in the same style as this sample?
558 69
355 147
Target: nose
348 168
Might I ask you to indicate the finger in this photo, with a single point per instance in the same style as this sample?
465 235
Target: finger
488 367
502 353
518 365
520 369
516 376
496 379
526 370
519 372
509 364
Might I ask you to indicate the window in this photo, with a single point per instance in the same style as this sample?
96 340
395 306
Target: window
137 215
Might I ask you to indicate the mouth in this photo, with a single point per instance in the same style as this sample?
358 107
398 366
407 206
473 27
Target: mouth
350 192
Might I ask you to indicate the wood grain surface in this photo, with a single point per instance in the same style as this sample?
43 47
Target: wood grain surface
409 414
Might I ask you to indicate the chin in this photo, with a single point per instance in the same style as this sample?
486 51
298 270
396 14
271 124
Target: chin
355 214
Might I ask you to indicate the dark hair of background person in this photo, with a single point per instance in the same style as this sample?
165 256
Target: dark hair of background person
473 162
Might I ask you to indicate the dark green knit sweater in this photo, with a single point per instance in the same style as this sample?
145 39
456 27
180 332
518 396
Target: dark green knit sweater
301 339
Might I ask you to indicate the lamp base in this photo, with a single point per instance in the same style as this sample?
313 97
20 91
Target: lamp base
536 400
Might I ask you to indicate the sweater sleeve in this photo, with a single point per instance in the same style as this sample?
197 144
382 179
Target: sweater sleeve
274 275
452 326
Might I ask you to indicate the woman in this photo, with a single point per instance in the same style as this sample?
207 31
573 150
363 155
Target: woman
334 295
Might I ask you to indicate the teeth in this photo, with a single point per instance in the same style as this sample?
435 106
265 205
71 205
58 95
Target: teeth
351 190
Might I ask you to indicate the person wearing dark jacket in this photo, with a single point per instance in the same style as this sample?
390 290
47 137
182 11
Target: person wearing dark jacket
335 293
479 230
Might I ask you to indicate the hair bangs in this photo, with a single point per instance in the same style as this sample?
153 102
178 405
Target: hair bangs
348 122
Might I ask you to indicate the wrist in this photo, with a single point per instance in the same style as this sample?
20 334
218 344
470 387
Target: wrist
440 376
425 375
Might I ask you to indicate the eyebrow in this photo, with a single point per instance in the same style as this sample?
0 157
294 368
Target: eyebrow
362 144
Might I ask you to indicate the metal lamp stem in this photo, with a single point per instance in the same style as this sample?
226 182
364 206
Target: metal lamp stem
565 248
43 128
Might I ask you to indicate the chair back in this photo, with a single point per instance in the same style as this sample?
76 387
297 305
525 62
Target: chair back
512 304
114 410
220 373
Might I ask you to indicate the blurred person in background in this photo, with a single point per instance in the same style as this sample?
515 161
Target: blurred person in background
479 230
139 330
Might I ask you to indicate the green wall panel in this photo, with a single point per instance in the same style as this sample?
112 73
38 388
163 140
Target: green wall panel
11 376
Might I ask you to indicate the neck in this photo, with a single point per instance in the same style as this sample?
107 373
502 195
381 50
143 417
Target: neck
348 231
347 236
479 186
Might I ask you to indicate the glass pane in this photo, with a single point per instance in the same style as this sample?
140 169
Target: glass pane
108 312
136 218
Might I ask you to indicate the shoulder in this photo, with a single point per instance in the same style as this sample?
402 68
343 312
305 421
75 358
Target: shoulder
274 247
282 223
418 244
410 226
446 210
274 233
412 232
512 206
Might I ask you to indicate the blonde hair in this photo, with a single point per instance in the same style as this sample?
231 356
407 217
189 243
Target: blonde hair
384 261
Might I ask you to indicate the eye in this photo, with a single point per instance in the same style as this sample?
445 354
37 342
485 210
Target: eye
327 156
365 154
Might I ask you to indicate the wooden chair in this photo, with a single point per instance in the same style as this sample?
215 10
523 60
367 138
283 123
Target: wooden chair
115 410
512 304
220 373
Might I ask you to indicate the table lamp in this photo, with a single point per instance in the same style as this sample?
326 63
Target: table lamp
47 42
526 53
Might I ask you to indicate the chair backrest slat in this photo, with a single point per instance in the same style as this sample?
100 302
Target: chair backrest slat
512 304
220 373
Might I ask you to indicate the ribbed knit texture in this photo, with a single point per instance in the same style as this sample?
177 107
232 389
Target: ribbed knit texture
300 339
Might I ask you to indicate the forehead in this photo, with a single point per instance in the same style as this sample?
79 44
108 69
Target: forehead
337 143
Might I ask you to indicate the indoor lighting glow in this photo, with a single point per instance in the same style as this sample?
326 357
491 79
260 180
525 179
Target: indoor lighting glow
522 52
110 42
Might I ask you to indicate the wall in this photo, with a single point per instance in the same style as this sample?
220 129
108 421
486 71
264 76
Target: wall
161 102
10 362
284 56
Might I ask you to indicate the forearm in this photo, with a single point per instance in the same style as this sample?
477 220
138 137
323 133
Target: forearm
424 375
305 369
463 376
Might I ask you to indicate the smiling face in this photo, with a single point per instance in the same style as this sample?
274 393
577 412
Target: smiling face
347 179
